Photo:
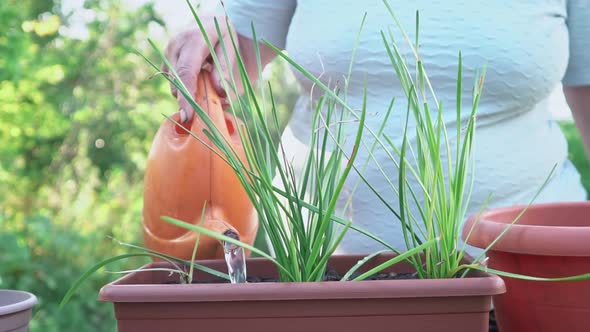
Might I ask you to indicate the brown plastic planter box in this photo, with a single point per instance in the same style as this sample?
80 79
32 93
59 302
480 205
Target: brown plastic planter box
143 302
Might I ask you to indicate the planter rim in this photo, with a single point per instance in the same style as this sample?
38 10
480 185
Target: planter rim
122 290
529 239
22 301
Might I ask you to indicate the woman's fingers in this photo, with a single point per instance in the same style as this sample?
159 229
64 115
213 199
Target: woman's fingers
188 52
187 67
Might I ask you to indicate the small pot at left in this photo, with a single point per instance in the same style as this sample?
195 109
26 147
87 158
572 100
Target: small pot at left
16 309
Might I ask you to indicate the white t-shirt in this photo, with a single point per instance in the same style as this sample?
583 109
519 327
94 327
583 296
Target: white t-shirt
529 47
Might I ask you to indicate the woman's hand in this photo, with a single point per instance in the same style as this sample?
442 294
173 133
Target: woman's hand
188 52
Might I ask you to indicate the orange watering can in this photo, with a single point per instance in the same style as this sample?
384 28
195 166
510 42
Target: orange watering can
182 173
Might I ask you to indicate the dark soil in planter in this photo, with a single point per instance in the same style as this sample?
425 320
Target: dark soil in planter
331 275
493 324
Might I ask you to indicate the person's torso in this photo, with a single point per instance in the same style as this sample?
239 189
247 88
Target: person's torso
523 44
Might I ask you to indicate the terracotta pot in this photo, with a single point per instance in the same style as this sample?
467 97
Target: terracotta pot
143 302
550 240
16 308
182 173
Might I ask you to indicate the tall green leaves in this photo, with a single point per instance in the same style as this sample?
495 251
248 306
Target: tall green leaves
435 176
442 170
301 238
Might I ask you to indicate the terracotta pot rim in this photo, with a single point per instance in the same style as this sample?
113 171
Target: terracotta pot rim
123 290
24 301
529 239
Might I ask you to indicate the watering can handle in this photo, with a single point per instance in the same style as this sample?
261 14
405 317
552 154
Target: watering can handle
213 104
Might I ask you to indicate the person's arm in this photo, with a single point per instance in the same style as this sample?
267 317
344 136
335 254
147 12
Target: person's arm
578 99
248 52
576 81
188 53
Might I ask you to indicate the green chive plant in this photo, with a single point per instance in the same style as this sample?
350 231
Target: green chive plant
439 189
443 186
299 215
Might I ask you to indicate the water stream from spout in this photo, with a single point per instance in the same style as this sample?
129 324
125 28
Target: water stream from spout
235 259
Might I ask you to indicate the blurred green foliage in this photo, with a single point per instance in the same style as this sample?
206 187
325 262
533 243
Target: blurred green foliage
76 121
77 116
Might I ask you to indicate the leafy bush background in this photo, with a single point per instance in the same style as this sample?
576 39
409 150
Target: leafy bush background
76 121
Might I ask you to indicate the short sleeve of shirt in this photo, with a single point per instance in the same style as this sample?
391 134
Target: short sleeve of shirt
271 18
578 23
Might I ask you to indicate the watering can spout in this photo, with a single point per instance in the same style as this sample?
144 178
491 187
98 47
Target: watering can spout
209 247
184 173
